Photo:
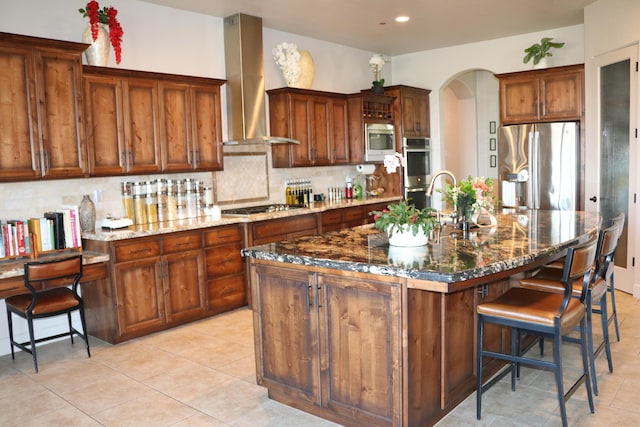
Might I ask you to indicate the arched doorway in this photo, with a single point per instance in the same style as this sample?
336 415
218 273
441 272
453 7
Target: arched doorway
469 121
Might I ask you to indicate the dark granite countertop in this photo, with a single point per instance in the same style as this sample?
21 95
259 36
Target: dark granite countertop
520 238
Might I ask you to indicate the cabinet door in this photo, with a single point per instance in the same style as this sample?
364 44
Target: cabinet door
519 99
19 137
184 286
300 116
321 131
422 115
339 129
140 296
176 130
104 125
207 128
361 318
141 126
561 95
60 114
286 322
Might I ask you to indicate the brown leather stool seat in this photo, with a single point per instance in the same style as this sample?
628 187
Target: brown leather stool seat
535 307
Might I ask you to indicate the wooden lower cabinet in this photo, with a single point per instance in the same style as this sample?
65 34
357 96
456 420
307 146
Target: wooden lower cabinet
159 290
163 281
328 346
364 349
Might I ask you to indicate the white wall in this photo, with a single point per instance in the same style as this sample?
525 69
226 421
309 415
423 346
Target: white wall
172 41
434 68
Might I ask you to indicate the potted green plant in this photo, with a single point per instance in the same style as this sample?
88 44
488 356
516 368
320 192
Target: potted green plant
405 224
539 51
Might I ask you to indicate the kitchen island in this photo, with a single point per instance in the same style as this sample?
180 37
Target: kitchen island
361 333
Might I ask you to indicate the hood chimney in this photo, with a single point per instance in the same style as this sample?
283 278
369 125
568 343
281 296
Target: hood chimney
244 67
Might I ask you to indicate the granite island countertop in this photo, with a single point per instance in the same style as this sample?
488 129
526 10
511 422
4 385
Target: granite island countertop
158 228
520 238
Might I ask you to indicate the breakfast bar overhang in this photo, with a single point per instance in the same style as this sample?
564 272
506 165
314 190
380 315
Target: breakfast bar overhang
356 331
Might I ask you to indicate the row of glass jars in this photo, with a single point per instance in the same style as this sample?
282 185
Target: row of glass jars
165 199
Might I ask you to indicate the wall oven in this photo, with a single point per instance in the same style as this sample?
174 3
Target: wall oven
417 172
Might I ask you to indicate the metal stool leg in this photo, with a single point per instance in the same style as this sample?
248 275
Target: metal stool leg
614 313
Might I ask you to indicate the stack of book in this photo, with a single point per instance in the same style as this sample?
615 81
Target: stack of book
55 230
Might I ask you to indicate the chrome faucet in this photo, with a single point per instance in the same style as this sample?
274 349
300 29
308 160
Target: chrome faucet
437 174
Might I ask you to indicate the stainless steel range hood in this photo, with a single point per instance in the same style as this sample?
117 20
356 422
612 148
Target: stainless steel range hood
245 82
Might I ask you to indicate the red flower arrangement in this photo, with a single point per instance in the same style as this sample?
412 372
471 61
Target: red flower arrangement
107 16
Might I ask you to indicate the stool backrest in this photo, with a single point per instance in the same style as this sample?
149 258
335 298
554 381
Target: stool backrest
42 275
578 265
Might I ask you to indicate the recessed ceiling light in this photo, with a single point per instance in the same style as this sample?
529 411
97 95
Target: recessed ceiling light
402 18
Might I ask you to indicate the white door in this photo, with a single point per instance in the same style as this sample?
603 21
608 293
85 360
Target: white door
613 154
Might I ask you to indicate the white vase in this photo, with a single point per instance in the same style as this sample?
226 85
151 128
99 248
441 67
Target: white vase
408 257
543 63
406 237
98 52
307 71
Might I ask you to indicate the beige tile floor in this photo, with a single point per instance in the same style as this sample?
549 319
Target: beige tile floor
202 374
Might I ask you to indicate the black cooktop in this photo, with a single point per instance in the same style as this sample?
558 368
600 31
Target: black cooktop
250 210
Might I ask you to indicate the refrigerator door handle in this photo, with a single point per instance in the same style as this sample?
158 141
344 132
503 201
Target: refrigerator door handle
534 181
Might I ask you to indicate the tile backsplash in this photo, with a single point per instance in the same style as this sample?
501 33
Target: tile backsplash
28 199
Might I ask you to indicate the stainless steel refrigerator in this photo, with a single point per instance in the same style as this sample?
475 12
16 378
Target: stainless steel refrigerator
538 165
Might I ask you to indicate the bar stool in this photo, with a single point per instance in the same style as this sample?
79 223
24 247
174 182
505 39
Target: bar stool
541 313
548 279
48 296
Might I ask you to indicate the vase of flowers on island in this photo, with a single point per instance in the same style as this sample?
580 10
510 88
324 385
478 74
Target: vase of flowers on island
470 196
376 63
405 224
98 36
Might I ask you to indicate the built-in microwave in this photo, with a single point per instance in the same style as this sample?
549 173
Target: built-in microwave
379 141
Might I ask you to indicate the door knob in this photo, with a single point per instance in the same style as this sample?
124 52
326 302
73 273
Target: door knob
593 199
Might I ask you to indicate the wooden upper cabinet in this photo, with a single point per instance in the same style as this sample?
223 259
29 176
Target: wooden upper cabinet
141 126
40 109
191 127
319 120
139 122
542 95
122 124
411 111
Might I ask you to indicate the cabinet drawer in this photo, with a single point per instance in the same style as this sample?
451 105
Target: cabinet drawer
222 235
276 227
353 214
226 293
137 250
182 242
332 217
224 260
